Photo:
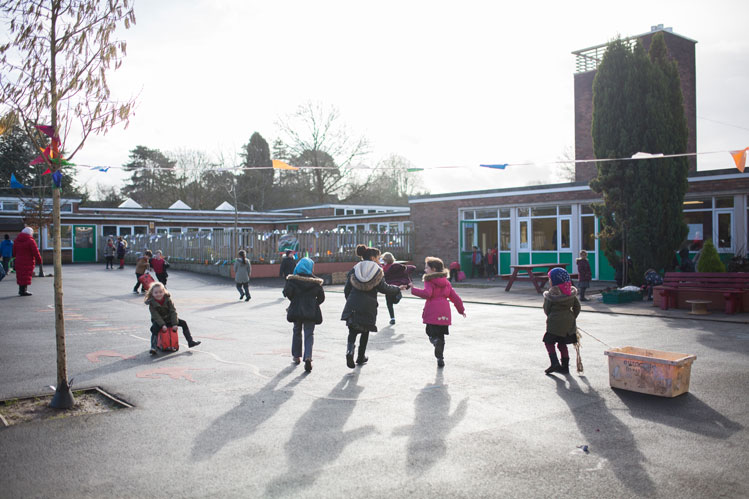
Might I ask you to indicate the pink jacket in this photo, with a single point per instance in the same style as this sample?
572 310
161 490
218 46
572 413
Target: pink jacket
437 290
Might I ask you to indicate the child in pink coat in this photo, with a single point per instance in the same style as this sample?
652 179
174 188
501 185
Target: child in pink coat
437 291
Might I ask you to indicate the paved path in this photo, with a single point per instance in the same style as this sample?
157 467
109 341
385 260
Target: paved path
233 417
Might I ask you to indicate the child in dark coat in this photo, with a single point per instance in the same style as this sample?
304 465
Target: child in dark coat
306 294
561 307
396 274
437 291
363 283
164 315
584 274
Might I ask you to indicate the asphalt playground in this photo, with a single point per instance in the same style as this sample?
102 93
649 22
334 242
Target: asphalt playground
235 418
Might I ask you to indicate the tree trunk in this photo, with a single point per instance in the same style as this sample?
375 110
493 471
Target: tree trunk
63 398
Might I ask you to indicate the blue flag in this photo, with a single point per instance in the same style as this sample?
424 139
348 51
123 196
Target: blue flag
15 184
498 167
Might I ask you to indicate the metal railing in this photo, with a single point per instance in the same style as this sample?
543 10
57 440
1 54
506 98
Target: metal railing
223 246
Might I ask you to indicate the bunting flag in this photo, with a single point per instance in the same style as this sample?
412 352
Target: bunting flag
280 165
40 159
57 178
15 184
46 130
47 171
101 168
498 167
739 157
415 170
646 155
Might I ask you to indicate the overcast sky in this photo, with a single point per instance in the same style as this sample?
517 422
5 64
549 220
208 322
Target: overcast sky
439 83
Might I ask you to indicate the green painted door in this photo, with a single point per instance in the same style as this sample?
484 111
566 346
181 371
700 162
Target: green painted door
84 243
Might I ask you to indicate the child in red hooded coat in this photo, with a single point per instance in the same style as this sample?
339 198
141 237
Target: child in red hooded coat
437 291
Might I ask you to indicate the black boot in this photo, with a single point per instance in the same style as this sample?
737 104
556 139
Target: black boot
554 367
350 356
361 358
22 291
582 295
565 369
190 342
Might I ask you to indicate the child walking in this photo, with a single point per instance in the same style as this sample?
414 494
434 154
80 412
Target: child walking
436 315
164 315
561 307
242 271
159 266
395 274
584 275
141 267
109 254
363 283
121 250
306 294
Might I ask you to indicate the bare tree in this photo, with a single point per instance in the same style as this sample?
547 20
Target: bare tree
54 72
566 169
314 136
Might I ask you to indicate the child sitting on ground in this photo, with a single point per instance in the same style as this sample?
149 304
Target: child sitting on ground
437 290
164 315
652 279
561 307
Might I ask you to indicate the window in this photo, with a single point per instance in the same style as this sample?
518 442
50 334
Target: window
724 202
340 211
175 230
292 227
724 230
586 209
162 230
504 235
408 226
544 234
700 224
698 204
66 208
484 214
109 230
544 211
523 230
360 228
349 212
10 206
393 227
504 213
565 210
564 236
588 233
523 212
84 237
141 229
469 229
66 236
469 215
126 231
359 212
373 228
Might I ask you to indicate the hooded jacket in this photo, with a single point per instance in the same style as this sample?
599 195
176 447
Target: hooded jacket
437 290
287 266
163 315
109 249
26 253
306 294
363 283
583 270
561 312
242 270
397 273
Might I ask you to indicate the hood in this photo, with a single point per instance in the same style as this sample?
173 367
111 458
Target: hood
437 278
367 275
23 236
305 280
555 294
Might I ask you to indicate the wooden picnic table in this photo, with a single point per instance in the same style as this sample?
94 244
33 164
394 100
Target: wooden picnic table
538 279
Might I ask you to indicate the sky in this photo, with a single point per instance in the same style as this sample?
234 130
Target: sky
439 83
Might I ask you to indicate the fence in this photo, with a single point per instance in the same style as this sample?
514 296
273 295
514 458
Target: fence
222 246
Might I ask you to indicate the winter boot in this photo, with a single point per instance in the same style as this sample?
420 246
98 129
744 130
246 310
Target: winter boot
22 291
350 356
361 358
565 369
190 342
554 367
582 294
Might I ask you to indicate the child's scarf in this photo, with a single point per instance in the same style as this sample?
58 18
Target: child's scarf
559 277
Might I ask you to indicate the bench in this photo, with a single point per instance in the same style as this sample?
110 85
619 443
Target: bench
726 290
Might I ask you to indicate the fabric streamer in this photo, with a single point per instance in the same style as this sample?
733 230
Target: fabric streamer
46 130
646 155
15 184
578 346
739 157
47 172
57 178
498 167
280 165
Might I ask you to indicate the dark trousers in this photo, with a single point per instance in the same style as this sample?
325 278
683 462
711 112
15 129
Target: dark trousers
477 268
162 278
155 328
309 339
353 331
389 302
436 336
244 289
453 275
110 262
6 263
137 282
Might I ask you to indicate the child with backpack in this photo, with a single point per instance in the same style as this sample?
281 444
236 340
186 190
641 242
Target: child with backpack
305 292
436 315
561 307
164 315
363 282
395 274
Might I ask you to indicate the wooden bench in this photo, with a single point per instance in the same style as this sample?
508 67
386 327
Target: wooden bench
726 290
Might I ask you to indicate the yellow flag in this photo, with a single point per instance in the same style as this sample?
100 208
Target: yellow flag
280 165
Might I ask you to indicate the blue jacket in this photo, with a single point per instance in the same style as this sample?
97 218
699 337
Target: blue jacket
6 248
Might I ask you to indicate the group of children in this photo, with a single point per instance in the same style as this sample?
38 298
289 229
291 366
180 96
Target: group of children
148 261
364 282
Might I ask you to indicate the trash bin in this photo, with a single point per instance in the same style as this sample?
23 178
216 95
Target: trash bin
654 372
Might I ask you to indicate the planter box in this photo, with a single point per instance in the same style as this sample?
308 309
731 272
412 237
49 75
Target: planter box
665 374
617 296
